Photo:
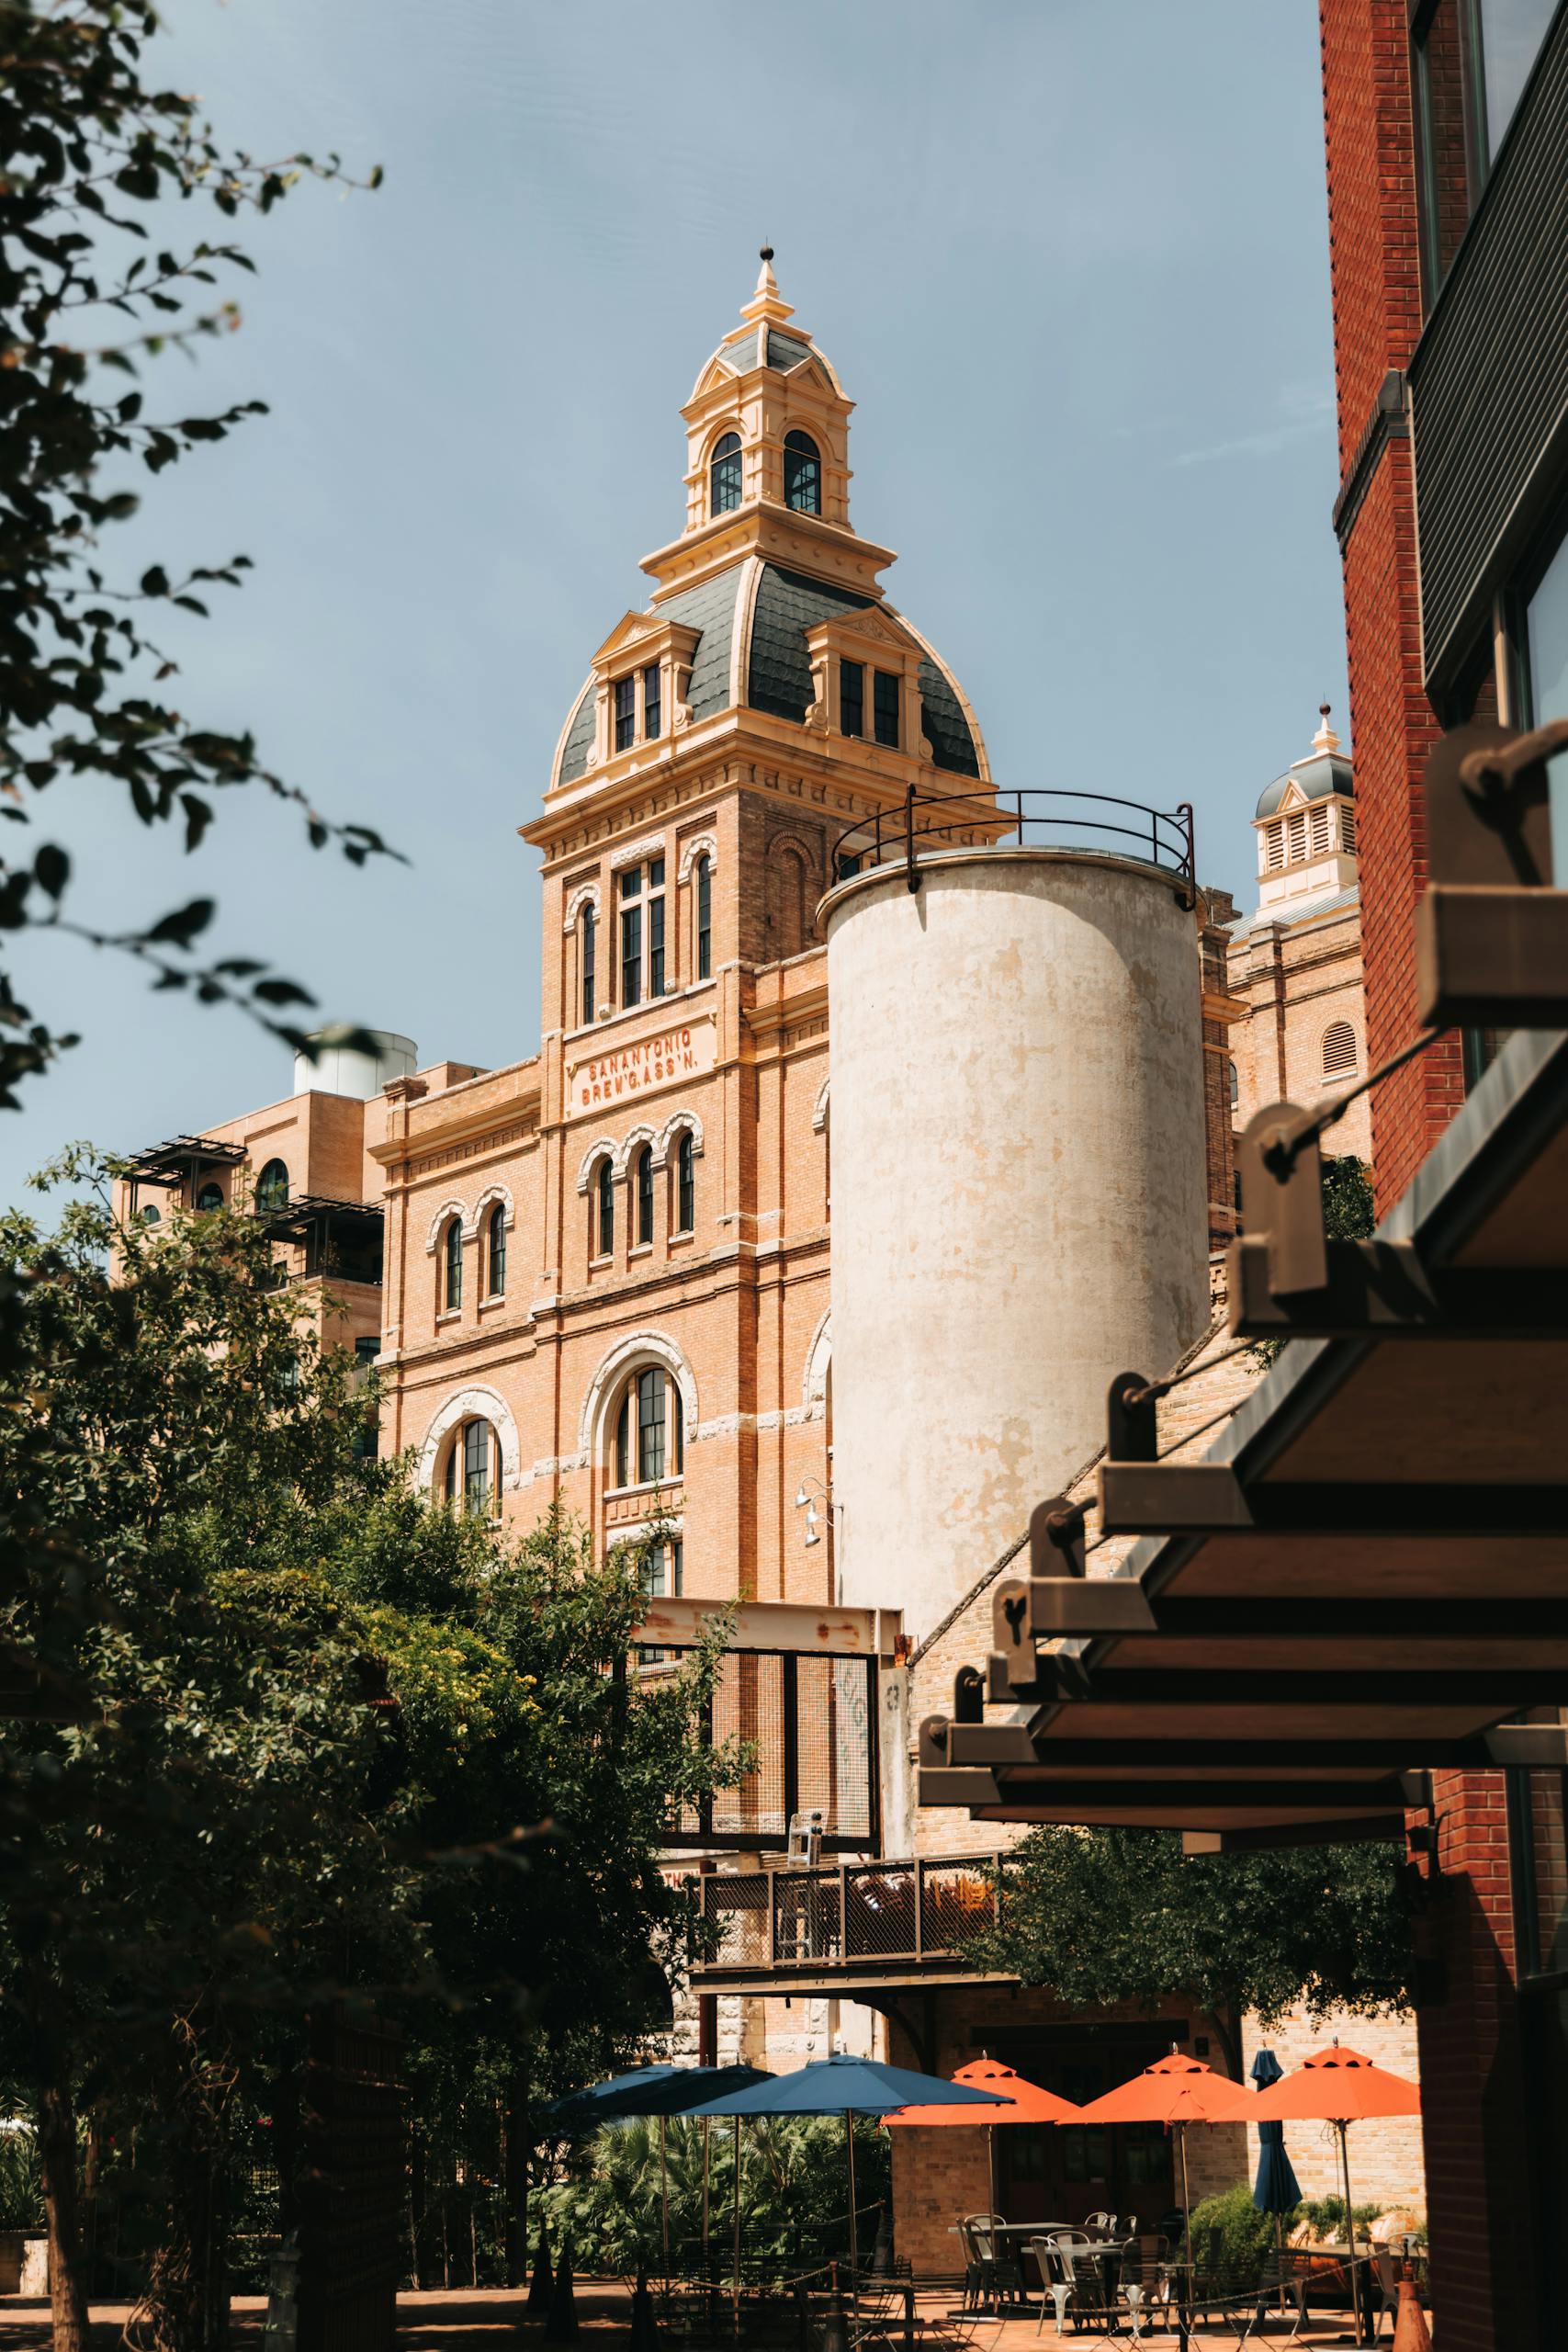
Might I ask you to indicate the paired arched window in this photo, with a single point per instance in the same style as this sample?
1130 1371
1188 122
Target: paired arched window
1338 1051
272 1186
724 475
649 1442
495 1249
602 1237
645 1195
471 1478
704 917
452 1267
209 1197
802 474
589 936
686 1183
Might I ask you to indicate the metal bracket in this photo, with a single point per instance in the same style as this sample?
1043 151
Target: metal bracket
1487 956
1488 808
1056 1537
1131 1431
1280 1168
930 1741
968 1696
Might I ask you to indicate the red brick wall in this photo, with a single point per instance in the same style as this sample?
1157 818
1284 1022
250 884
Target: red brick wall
1375 268
1471 2083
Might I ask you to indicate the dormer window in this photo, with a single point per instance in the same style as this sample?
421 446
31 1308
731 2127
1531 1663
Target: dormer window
625 713
886 687
724 475
802 474
651 721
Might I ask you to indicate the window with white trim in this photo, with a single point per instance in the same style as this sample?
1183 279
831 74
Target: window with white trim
472 1474
650 1436
641 892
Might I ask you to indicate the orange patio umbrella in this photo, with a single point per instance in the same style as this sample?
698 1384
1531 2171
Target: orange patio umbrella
1028 2103
1177 2091
1340 2087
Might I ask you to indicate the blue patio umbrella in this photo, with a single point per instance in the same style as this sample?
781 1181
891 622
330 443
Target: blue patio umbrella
1276 2190
846 2086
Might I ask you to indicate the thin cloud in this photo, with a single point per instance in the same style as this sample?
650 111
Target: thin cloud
1305 413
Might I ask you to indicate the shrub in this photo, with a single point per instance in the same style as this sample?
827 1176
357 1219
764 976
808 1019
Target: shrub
1231 2238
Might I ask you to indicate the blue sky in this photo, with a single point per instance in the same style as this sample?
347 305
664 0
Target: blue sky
1070 260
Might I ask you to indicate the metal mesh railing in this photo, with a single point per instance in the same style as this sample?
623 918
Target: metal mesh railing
813 1723
840 1915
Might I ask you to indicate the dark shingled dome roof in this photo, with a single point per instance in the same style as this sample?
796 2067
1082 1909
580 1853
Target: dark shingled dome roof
1315 779
777 669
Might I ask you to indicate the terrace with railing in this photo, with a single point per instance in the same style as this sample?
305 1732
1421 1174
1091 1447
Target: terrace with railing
828 1928
1042 817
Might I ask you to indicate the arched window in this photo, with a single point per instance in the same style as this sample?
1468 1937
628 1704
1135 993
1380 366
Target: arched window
495 1249
209 1197
650 1436
148 1213
590 946
470 1467
724 475
645 1195
705 918
1338 1051
686 1183
451 1266
787 902
605 1205
1236 1086
803 474
272 1186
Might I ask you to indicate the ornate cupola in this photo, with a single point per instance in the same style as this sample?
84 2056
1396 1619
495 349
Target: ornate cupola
767 458
1307 830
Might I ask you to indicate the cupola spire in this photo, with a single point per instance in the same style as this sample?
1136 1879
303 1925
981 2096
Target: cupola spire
1326 740
767 302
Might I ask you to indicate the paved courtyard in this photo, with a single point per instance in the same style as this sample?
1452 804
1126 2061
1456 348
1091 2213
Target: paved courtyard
434 2322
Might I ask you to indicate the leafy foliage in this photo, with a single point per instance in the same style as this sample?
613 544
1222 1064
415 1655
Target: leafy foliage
1348 1215
1231 2238
1122 1914
94 157
793 2191
304 1738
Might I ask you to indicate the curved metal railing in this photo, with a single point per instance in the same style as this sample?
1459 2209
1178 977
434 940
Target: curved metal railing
1035 818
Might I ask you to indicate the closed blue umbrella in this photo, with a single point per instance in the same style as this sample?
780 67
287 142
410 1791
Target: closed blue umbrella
847 2087
1276 2189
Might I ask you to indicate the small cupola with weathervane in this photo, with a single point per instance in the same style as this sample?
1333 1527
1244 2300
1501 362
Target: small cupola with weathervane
1307 828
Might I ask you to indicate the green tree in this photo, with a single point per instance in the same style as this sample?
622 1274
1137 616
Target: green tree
298 1737
1122 1914
92 156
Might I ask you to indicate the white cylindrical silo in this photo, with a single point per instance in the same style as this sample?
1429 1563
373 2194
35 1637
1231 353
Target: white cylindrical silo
1019 1193
349 1070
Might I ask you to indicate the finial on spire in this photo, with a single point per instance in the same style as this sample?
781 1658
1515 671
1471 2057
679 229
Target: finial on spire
767 302
1326 740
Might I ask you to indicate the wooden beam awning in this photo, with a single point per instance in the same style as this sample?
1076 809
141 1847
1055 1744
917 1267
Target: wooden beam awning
1364 1577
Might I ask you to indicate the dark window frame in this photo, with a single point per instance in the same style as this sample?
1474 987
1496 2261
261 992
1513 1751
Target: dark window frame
887 693
604 1209
802 477
851 698
624 713
704 917
451 1266
590 952
686 1183
645 1197
724 477
653 703
495 1250
272 1186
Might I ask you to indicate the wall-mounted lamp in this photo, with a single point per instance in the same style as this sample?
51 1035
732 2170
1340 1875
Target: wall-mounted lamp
804 1501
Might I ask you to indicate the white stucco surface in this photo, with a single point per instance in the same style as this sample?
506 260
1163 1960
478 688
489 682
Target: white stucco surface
1019 1194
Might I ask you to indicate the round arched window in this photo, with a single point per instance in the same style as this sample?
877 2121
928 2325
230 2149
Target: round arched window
495 1249
724 475
649 1439
209 1197
605 1211
272 1186
453 1266
148 1213
1236 1086
802 474
471 1476
645 1195
686 1183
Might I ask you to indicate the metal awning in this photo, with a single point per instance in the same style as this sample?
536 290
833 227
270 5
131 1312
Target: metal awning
173 1162
1365 1576
305 1213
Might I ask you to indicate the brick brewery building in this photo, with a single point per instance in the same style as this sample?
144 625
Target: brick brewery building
601 1276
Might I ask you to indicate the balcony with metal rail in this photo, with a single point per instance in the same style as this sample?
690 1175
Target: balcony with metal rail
830 1928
